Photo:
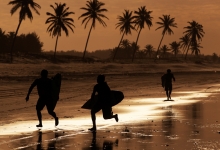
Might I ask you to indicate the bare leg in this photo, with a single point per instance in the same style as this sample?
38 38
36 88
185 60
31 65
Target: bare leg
94 110
110 116
167 94
170 94
93 121
52 113
39 116
40 105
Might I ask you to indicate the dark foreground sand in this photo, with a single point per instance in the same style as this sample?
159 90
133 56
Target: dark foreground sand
146 121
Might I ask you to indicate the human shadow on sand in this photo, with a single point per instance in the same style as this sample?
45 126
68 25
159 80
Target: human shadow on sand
170 100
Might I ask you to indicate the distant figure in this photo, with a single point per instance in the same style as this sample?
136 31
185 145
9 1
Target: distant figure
158 56
44 88
167 83
103 102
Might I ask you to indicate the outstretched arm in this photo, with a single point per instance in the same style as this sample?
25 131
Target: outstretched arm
30 89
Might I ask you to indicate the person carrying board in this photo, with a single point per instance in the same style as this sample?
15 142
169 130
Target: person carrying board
167 83
44 88
103 102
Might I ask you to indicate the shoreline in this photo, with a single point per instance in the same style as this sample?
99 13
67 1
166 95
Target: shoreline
145 119
157 130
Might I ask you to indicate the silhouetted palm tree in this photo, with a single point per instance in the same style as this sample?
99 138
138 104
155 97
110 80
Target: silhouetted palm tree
126 48
141 17
3 41
195 32
25 11
141 54
10 37
174 46
166 24
134 46
93 12
214 57
196 48
149 50
184 42
125 43
164 49
126 25
59 21
2 33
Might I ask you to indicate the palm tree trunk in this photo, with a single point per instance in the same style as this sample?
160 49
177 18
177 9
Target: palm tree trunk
136 45
159 45
184 51
84 53
187 50
118 46
55 50
12 46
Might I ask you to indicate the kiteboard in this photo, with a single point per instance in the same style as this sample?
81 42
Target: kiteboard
116 97
56 85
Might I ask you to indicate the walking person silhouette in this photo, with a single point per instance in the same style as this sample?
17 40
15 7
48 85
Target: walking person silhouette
103 102
167 83
44 88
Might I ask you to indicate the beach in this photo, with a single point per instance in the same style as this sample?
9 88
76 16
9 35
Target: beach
146 120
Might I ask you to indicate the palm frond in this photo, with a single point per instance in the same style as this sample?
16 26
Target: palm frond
93 11
24 8
59 21
15 8
141 17
166 24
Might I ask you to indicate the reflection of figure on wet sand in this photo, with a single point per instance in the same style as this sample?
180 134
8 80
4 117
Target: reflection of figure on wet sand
39 141
93 144
44 88
167 83
107 144
167 122
51 144
103 102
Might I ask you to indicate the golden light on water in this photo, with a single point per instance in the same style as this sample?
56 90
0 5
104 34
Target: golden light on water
140 109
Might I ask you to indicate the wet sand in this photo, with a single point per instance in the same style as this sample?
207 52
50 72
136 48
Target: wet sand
146 120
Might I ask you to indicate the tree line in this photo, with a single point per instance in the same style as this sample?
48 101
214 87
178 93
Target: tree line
129 21
174 49
143 55
25 43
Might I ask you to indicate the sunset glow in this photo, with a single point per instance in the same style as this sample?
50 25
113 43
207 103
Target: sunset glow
204 12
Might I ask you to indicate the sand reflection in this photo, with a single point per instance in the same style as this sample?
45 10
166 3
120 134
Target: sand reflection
137 109
143 121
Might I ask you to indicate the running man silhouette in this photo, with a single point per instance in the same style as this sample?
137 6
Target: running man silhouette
167 83
44 88
103 102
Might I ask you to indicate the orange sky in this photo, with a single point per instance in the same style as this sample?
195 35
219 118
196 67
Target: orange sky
205 12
